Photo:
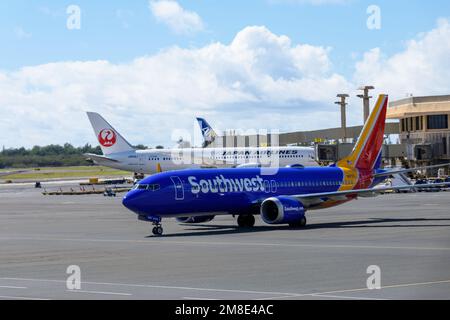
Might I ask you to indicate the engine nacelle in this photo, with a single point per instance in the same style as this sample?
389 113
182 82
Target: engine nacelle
199 219
295 166
282 210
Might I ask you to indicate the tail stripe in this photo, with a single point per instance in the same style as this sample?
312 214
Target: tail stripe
370 132
358 166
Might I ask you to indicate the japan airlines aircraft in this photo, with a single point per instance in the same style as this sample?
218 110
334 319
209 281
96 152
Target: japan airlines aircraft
194 196
118 153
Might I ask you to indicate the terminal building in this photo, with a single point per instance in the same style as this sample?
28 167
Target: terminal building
423 125
420 124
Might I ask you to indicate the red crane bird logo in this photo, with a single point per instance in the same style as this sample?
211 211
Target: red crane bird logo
107 138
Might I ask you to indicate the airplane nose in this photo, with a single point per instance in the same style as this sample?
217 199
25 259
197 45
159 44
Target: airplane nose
131 201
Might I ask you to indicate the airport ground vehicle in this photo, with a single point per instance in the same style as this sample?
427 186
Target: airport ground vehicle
109 193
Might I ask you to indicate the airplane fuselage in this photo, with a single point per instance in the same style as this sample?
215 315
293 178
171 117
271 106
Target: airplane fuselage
147 161
232 191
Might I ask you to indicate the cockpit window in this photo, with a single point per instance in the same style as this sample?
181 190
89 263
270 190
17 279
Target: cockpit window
153 187
149 187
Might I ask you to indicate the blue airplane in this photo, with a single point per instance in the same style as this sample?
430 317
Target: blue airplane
198 195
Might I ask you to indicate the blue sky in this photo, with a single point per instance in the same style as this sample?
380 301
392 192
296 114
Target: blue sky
242 64
120 31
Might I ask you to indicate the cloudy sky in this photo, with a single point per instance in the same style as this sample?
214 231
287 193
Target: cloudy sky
151 66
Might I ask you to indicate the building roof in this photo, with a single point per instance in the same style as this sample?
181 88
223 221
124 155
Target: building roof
417 106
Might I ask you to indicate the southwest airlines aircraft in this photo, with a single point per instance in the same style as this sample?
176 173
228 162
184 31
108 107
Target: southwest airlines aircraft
119 154
194 196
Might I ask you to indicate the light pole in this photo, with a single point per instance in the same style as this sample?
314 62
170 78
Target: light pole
343 104
366 100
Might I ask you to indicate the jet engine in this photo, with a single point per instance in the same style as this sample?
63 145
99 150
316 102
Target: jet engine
283 210
200 219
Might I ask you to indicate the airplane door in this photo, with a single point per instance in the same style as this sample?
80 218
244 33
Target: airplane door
178 185
141 161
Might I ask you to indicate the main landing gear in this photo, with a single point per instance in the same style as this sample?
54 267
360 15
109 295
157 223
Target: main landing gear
246 220
299 224
157 229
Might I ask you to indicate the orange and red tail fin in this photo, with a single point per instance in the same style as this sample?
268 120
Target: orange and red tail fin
368 147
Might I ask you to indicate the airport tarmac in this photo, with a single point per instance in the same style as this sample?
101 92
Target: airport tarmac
407 236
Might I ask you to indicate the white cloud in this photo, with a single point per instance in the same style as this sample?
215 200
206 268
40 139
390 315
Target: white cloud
250 80
259 80
421 69
178 19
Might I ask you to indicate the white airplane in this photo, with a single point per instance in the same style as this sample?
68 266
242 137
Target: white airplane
119 154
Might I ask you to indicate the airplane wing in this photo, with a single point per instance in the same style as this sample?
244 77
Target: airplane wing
313 199
391 172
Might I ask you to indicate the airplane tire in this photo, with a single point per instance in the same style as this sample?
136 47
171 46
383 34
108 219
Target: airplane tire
298 224
158 231
250 221
241 221
303 222
246 221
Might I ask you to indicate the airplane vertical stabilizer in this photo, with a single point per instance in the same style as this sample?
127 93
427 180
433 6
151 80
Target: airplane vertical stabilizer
109 139
208 133
366 153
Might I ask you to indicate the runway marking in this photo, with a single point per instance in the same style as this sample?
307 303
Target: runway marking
279 297
101 292
282 295
12 287
192 298
21 298
261 244
344 297
391 286
157 286
324 295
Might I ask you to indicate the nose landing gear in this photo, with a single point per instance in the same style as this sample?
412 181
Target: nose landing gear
157 229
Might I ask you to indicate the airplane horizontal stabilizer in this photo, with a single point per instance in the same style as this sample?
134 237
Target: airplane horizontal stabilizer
98 158
391 172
